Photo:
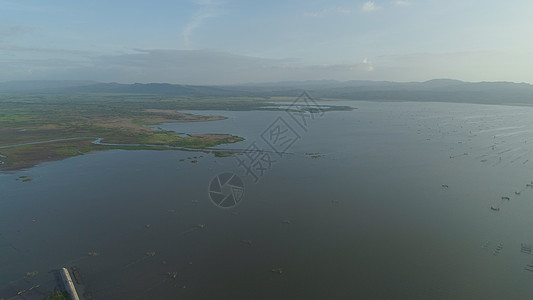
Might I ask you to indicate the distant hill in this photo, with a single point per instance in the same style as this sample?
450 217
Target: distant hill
437 90
155 88
441 90
40 85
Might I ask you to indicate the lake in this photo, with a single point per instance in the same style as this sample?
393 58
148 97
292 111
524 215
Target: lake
390 200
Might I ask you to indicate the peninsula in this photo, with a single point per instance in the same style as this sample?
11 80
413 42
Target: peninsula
41 128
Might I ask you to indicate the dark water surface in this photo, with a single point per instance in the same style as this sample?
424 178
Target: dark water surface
369 218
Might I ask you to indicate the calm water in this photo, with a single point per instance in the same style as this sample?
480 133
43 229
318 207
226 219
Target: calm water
370 218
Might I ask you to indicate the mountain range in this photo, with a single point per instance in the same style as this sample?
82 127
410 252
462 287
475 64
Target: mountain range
440 90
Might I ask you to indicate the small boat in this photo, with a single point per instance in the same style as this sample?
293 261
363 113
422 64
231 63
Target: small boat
495 208
506 198
278 270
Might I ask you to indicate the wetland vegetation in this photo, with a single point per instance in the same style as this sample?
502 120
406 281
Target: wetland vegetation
118 119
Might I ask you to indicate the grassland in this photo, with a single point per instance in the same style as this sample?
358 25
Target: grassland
119 119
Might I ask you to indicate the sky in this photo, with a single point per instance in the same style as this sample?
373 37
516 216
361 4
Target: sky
237 41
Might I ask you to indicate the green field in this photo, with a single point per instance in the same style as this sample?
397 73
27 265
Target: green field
119 119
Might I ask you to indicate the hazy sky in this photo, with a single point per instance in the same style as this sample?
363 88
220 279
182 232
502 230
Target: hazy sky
237 41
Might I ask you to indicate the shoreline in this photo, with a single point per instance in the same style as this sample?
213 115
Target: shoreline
109 146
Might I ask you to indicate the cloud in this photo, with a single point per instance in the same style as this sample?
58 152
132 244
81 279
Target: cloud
313 14
14 30
177 66
402 3
204 67
209 9
328 12
484 65
368 65
370 6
